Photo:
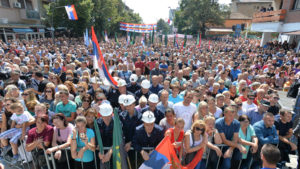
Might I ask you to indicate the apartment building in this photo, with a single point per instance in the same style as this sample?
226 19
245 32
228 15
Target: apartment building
21 19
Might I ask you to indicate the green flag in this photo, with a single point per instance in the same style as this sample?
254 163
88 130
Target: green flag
98 136
198 39
119 162
152 35
166 39
185 39
103 36
174 40
145 39
116 38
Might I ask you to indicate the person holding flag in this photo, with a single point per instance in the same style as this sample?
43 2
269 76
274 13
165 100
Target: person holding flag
106 126
147 134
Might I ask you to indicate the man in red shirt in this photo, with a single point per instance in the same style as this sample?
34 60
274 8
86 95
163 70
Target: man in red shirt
140 64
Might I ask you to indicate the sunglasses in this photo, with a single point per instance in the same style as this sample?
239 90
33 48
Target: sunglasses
251 98
276 98
246 121
25 94
199 129
48 91
86 100
240 105
98 100
80 91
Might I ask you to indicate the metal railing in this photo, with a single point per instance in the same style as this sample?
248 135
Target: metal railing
51 164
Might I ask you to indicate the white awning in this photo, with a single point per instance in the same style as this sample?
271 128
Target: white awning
219 30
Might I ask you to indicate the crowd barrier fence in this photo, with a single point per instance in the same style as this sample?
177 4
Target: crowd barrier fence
51 164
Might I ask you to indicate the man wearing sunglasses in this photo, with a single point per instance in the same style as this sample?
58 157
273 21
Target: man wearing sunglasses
274 105
249 105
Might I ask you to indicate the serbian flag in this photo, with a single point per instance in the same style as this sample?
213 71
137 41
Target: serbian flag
98 57
70 9
164 157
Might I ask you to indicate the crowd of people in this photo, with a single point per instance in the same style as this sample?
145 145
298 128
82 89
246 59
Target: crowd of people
221 98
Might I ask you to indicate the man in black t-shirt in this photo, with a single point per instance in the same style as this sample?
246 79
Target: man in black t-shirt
284 127
42 82
274 105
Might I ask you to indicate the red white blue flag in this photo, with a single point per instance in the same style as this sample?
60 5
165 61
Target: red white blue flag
70 9
99 59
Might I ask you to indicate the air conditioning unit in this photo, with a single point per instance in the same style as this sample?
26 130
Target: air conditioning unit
3 20
17 5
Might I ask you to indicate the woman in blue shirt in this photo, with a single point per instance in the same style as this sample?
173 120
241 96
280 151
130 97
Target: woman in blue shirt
83 144
247 138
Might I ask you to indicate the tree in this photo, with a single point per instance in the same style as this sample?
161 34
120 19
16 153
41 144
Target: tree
103 14
162 26
57 12
197 15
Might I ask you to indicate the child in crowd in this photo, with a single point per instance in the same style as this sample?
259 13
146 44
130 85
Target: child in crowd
17 131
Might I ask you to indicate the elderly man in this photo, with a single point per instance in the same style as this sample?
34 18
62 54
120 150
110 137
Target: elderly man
164 103
152 102
147 134
155 87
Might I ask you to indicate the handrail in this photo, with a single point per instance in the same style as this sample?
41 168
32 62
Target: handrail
269 16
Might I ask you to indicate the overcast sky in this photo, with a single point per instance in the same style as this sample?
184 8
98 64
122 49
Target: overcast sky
153 10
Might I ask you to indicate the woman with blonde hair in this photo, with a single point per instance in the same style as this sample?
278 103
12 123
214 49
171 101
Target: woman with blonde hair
194 140
202 111
213 137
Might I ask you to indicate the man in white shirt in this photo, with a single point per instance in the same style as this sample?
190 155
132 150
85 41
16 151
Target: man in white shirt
249 105
186 109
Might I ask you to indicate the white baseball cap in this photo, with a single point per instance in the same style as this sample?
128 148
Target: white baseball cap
148 117
121 83
129 99
133 78
105 109
121 98
153 98
145 84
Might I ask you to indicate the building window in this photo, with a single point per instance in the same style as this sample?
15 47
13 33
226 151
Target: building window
29 4
5 3
22 3
297 4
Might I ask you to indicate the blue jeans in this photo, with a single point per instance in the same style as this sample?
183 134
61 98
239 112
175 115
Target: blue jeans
198 166
203 164
226 164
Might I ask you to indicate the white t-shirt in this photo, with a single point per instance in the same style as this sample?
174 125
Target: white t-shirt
218 113
247 108
20 119
185 112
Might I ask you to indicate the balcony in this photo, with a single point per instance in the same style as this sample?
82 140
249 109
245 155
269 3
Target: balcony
29 14
269 16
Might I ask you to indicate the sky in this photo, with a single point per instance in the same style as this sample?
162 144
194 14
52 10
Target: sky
152 10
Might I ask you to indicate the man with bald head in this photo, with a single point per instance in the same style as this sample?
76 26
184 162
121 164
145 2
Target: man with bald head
155 87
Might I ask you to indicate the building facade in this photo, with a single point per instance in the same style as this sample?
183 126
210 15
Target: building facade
285 19
21 19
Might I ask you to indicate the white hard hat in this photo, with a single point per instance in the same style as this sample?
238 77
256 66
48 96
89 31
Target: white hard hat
121 83
153 98
133 78
129 99
105 109
145 84
148 117
121 98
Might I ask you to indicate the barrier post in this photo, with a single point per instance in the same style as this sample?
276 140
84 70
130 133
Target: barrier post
22 145
66 151
53 161
47 160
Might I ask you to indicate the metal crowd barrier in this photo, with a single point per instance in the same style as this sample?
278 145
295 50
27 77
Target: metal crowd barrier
50 161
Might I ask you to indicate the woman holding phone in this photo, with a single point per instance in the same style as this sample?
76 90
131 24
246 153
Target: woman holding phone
82 144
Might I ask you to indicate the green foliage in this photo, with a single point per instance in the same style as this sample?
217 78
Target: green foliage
197 15
60 18
162 26
103 14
